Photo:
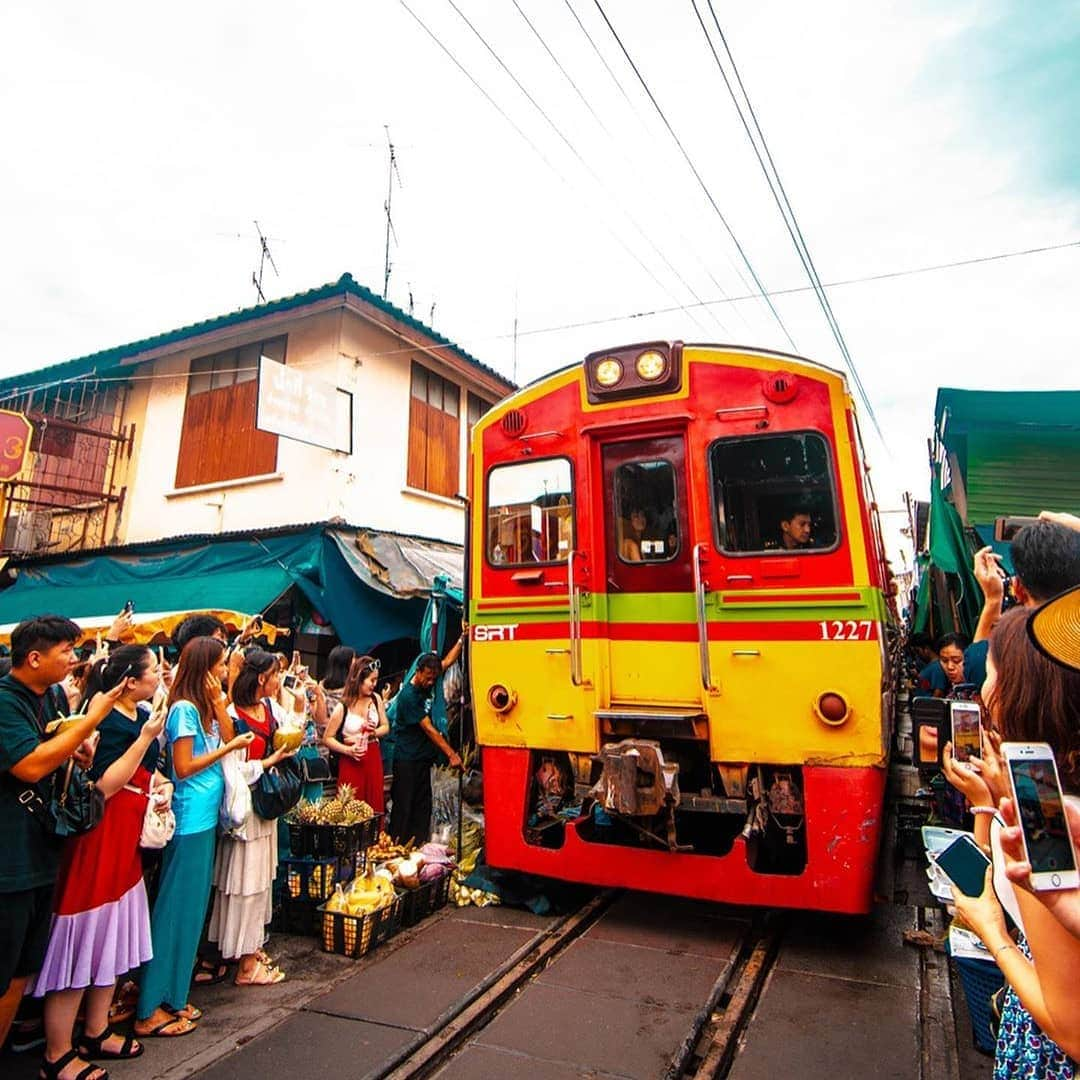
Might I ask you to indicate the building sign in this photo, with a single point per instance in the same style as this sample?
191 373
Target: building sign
15 431
297 405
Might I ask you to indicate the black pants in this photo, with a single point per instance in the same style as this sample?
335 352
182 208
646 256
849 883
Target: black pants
410 795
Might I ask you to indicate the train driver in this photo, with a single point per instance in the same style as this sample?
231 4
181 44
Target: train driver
796 529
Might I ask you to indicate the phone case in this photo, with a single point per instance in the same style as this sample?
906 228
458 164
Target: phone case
965 865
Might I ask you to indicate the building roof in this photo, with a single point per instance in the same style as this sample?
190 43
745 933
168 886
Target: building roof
345 286
1032 410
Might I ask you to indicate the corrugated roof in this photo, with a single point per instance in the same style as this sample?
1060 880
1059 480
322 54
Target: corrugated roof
978 410
109 359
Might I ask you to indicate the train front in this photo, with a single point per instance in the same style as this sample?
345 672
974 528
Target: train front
677 629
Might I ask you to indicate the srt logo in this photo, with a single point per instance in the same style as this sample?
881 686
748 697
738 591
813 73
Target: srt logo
495 632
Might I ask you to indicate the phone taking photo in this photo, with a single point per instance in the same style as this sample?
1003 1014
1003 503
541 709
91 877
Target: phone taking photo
964 864
289 681
966 719
1040 808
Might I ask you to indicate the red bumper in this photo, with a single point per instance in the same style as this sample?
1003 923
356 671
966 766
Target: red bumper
843 822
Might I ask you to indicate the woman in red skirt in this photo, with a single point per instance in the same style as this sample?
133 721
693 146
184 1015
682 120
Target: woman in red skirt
101 920
354 730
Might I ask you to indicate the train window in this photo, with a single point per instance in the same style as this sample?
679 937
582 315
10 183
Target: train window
646 522
773 493
530 512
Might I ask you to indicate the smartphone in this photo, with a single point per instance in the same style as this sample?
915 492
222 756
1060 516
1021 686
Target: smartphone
129 608
1005 528
966 718
1041 809
964 864
289 681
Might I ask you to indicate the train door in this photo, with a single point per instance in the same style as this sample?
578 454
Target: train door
647 568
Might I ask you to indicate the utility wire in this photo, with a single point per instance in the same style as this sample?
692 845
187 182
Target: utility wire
780 197
697 175
539 153
597 179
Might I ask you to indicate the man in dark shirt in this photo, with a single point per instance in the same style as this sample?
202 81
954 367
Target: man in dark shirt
417 746
42 654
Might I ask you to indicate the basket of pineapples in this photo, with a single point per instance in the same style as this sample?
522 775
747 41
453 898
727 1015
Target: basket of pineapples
337 826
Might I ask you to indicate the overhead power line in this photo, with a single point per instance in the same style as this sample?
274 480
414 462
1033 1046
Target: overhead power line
697 176
780 196
597 179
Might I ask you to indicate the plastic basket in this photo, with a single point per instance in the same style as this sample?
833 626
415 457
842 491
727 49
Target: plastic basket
417 904
981 979
356 935
312 878
299 917
333 840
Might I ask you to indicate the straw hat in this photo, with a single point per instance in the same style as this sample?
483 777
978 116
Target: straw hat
1055 628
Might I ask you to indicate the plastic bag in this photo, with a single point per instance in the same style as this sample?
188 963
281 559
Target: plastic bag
236 802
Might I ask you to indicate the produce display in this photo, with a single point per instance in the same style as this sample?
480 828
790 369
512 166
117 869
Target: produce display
357 919
416 868
462 895
369 892
344 808
313 879
384 849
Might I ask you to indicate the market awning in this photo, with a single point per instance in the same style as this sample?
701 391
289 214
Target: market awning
370 595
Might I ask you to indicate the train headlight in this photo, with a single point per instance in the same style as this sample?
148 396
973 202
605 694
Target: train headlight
651 365
832 708
501 698
608 371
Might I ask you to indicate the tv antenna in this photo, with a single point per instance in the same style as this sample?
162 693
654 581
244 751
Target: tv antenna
391 173
264 258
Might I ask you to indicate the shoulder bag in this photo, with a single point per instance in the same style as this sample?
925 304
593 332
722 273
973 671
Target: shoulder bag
279 788
72 806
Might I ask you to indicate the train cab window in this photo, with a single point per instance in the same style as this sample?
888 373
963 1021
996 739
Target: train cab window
773 493
530 512
646 522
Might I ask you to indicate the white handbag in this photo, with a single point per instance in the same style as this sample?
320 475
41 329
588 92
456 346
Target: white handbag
158 825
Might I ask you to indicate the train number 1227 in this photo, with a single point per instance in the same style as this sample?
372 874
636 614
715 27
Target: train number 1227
847 630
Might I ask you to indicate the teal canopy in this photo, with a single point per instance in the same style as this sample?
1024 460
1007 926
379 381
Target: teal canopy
244 573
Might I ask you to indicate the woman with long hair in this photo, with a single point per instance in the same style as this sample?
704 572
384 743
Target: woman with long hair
354 730
244 869
101 920
199 733
1029 698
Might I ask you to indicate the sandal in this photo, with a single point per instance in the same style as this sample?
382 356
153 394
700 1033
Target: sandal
51 1070
90 1046
120 1012
189 1012
162 1032
262 975
263 957
207 973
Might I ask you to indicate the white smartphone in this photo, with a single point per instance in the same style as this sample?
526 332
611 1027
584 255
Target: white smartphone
966 717
1041 810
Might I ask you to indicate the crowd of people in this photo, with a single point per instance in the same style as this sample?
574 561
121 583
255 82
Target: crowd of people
105 924
1025 662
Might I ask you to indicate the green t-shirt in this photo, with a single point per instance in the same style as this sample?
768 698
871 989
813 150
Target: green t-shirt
412 705
31 856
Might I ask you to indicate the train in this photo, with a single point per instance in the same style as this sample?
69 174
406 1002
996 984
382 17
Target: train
680 614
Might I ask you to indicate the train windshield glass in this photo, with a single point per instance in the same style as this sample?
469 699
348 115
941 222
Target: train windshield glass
530 512
646 519
773 493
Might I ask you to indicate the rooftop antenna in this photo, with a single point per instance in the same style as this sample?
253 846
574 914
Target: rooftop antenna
391 172
431 317
515 334
264 258
410 299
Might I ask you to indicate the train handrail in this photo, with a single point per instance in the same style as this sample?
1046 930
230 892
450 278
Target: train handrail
702 619
574 603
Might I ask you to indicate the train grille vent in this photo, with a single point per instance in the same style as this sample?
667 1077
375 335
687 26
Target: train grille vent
514 422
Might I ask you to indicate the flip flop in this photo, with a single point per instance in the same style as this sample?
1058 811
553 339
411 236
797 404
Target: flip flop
189 1012
206 974
262 976
160 1033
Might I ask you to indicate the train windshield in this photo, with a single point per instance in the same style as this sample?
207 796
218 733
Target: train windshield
530 512
773 493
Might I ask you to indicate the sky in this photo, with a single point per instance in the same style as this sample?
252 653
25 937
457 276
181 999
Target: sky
537 182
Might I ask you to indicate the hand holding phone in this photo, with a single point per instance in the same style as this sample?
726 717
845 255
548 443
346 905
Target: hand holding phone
1040 808
289 681
964 864
966 719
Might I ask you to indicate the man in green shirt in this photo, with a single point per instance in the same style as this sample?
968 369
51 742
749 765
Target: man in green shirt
42 654
417 745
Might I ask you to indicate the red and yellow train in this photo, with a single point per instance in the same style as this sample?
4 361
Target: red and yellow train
678 605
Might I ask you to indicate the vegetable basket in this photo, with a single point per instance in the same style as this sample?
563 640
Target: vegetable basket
419 903
356 935
313 878
331 840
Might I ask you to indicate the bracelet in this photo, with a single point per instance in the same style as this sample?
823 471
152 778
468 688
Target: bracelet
1002 948
983 809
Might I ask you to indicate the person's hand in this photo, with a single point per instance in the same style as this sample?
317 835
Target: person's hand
84 753
455 759
992 766
1063 904
983 912
164 793
277 756
154 726
988 573
214 687
357 752
1070 521
120 626
241 742
965 776
252 628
